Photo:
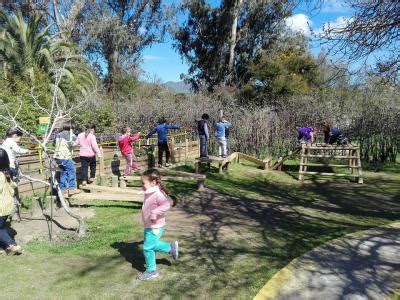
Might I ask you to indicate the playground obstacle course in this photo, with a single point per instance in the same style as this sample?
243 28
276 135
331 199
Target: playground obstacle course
349 153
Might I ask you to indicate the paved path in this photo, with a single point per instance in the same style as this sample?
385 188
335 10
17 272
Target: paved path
363 265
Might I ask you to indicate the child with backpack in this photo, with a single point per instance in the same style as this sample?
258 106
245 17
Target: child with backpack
162 135
64 143
125 146
155 205
7 190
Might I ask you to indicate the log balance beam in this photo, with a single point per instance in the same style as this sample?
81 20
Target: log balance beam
223 163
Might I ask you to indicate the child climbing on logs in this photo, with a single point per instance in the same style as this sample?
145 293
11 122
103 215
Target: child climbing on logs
334 135
125 146
306 135
162 135
7 190
155 205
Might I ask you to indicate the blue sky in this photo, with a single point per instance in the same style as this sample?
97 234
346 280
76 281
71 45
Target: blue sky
162 62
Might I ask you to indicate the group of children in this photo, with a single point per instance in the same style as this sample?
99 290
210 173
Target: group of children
156 200
332 135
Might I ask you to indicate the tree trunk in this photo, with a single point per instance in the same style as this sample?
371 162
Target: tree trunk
236 11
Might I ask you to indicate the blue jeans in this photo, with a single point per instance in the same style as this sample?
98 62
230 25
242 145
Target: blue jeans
5 238
151 245
67 173
203 145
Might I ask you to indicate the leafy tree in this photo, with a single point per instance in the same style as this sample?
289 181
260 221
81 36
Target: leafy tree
25 47
220 42
117 31
286 71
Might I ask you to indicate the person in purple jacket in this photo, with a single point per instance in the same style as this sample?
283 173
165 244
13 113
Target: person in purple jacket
306 135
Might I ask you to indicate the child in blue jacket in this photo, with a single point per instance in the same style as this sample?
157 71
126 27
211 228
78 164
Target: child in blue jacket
220 134
162 135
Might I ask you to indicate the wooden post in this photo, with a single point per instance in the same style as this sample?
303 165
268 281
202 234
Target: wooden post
36 208
122 183
197 166
186 148
103 180
359 170
101 163
114 181
301 175
200 184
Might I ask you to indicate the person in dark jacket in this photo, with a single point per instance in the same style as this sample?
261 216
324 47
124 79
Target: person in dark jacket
162 135
202 128
333 135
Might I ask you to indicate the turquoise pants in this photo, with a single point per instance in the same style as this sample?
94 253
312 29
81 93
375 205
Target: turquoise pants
152 244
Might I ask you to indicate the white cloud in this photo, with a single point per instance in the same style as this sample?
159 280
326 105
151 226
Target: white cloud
299 23
151 57
339 23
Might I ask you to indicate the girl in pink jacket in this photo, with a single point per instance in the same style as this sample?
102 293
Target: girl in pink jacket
125 146
87 152
155 205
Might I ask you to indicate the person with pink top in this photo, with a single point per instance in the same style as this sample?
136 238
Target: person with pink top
87 152
125 146
155 205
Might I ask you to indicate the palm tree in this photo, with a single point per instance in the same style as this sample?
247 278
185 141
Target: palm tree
25 47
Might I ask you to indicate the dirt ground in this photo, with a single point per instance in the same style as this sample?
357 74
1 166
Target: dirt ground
39 228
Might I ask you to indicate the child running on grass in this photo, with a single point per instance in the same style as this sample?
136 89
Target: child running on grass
162 134
125 146
156 203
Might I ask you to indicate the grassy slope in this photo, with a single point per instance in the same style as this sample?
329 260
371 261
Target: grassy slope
264 221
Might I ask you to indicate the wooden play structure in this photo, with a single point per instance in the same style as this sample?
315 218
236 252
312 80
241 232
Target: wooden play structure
223 163
281 160
325 153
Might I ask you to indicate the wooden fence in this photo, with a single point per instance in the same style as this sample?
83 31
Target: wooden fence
111 162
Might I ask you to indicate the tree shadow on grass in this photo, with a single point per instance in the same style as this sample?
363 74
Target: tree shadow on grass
133 253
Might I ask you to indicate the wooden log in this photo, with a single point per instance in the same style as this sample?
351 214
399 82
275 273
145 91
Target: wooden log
333 148
107 189
326 174
328 156
327 165
82 197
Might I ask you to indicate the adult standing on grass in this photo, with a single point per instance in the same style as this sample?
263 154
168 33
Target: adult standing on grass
155 205
87 152
7 190
13 136
64 143
162 136
204 135
125 146
220 134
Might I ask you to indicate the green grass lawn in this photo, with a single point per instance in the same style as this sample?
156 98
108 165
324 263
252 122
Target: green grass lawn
234 237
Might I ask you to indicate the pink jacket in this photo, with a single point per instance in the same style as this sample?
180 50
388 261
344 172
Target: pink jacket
88 145
155 205
124 143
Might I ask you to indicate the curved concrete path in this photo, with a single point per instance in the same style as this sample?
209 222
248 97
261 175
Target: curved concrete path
362 265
